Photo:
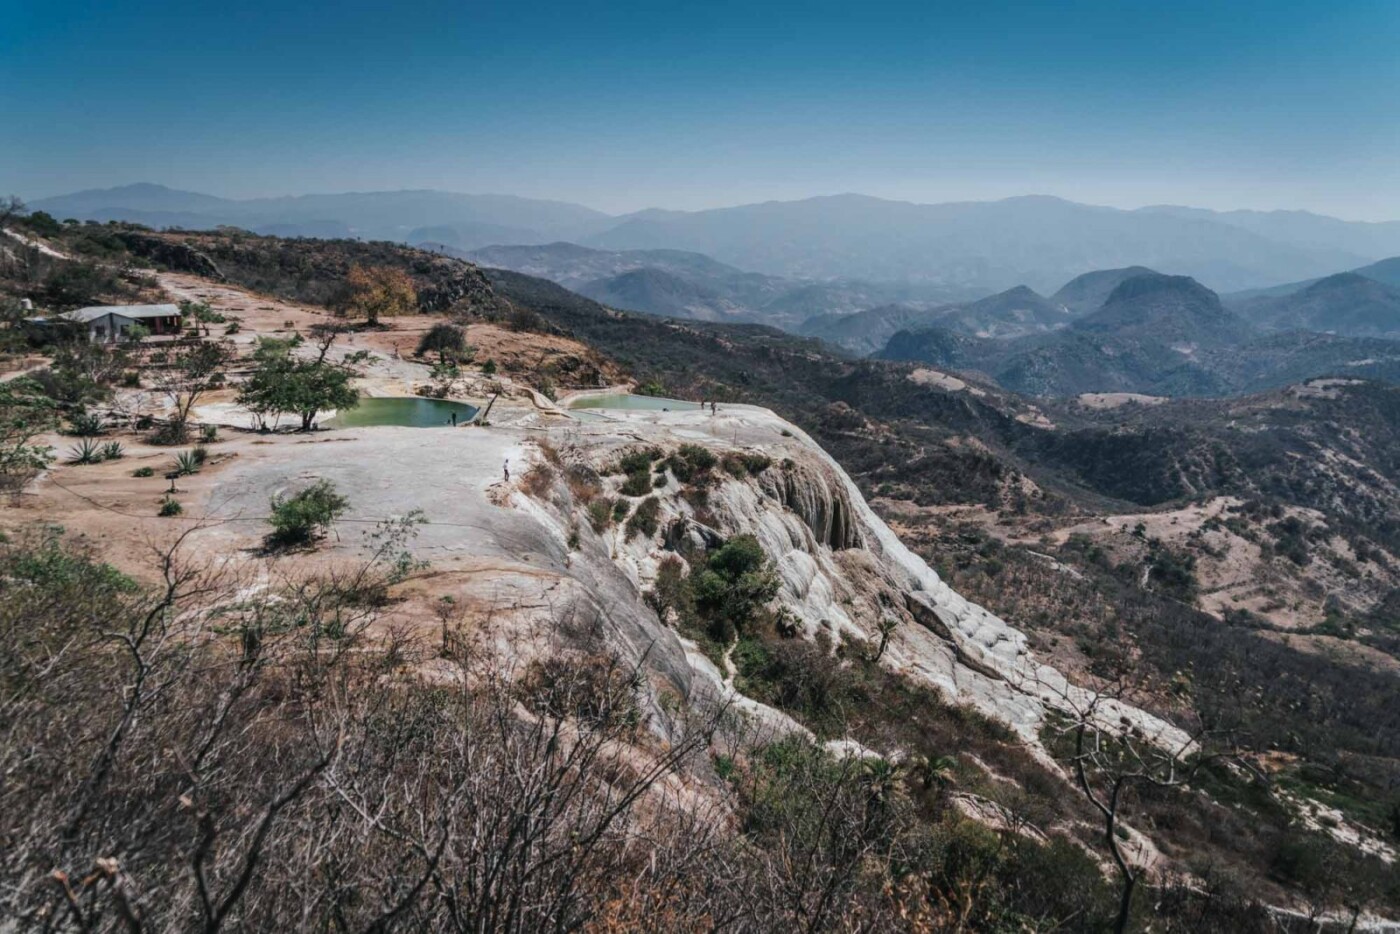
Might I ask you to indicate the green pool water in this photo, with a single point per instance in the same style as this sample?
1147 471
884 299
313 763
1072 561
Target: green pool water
409 411
639 403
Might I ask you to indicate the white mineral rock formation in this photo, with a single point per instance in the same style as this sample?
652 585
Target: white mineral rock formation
843 570
532 560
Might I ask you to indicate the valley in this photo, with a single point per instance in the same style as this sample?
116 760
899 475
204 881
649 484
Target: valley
881 561
635 468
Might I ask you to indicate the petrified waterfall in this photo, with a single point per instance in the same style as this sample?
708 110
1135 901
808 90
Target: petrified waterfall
818 499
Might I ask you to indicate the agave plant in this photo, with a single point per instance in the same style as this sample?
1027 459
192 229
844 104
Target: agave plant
112 451
186 463
209 434
85 424
85 452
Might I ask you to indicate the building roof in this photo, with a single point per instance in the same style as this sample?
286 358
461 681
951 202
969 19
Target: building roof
126 311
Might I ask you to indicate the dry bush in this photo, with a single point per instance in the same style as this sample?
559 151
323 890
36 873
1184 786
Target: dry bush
538 481
583 483
179 757
200 754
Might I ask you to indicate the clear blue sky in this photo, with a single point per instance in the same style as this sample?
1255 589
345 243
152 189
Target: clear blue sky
1232 103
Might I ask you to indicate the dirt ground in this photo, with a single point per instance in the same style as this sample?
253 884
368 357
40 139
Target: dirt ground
513 352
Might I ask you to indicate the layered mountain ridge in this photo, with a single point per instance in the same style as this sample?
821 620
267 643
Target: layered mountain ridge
988 246
1154 334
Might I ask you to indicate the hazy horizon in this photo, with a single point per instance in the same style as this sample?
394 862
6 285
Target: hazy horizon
1277 106
716 206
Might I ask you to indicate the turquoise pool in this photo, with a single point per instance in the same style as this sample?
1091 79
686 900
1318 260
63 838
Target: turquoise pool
408 411
636 403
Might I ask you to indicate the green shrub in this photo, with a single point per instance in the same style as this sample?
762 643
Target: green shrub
600 512
646 519
85 424
744 465
733 589
637 484
143 472
169 507
301 518
637 461
209 434
692 464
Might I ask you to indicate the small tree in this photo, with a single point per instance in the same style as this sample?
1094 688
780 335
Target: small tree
738 580
380 292
303 517
193 370
25 412
448 341
11 206
200 313
283 383
83 371
1110 761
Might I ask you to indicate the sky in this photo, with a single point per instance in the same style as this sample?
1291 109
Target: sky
627 105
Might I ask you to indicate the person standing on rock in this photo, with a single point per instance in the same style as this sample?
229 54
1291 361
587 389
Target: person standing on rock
507 470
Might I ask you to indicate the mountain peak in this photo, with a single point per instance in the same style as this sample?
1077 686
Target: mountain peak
1164 308
1148 284
1343 281
1088 291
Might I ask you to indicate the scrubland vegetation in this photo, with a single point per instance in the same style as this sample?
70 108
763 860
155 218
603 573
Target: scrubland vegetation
194 752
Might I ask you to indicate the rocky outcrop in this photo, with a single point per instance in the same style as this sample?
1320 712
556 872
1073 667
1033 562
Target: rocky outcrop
450 285
843 571
171 254
817 498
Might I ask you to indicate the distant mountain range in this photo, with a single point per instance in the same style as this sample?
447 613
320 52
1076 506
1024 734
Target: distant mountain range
404 216
1155 334
1348 303
691 285
1016 312
962 249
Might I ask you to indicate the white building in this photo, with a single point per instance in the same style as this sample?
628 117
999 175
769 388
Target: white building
107 323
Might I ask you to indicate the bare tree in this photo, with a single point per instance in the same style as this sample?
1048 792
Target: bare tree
11 206
190 371
1111 758
187 756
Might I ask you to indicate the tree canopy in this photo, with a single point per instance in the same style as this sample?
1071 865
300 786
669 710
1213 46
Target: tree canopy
25 412
285 384
380 292
448 341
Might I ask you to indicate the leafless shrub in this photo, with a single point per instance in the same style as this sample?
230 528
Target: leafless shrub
538 481
186 756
